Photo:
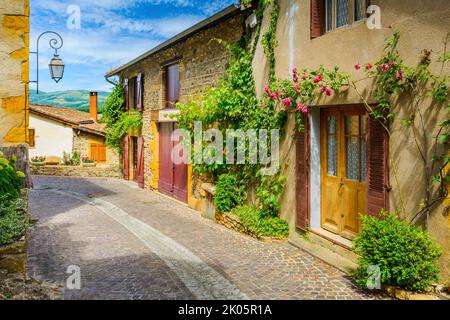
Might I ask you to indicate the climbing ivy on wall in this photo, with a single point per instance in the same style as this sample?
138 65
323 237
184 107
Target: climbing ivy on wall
233 104
118 121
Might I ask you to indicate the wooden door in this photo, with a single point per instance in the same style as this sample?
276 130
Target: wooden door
344 170
172 177
180 176
135 158
165 159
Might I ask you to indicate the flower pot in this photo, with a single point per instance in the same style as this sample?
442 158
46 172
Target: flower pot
88 164
38 164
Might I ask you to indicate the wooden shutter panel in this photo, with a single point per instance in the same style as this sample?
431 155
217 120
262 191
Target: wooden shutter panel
127 99
302 175
317 18
139 83
141 162
126 158
377 168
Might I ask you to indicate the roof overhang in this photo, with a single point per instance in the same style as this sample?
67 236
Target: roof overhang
205 24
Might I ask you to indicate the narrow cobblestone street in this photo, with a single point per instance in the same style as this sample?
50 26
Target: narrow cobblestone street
136 244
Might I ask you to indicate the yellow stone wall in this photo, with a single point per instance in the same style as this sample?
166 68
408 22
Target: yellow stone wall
14 57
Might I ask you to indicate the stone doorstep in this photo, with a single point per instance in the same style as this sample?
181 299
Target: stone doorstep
323 253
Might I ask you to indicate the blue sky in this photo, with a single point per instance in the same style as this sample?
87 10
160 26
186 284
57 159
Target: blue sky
112 32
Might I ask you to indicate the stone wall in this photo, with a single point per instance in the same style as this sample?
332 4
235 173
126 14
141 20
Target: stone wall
202 63
81 142
14 57
13 257
99 171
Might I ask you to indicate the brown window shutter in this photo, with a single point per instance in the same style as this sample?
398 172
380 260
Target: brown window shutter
141 162
317 18
377 168
139 83
127 99
126 158
302 175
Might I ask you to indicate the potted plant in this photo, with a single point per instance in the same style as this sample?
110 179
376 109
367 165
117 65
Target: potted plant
86 162
38 161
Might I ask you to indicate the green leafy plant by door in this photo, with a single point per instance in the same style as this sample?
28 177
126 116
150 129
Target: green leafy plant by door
405 254
10 179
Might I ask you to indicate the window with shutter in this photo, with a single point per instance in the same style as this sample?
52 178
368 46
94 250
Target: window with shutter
377 168
31 138
317 18
302 183
139 92
127 98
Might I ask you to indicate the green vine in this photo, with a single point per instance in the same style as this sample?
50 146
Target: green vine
269 40
118 121
233 104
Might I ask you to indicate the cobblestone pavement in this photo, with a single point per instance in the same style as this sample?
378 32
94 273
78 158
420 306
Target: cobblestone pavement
136 244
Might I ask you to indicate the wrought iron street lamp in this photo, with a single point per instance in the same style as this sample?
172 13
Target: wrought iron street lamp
56 65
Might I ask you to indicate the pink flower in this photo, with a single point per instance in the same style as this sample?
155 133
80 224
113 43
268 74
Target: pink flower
329 91
304 109
318 78
287 102
276 95
369 66
267 89
400 75
384 67
296 86
298 92
304 78
357 66
299 106
294 75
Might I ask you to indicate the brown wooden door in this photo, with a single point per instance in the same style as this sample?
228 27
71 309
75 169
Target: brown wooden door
344 170
172 177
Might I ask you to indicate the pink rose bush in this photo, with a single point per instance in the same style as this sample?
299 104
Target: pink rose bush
296 94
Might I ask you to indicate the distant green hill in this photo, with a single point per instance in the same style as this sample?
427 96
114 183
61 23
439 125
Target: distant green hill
76 99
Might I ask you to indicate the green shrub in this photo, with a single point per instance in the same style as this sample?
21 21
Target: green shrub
10 179
405 254
259 224
13 223
229 193
268 193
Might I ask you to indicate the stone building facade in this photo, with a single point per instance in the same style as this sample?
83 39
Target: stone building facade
14 54
422 25
202 62
82 140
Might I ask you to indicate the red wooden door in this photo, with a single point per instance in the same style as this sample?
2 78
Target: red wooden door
172 178
140 165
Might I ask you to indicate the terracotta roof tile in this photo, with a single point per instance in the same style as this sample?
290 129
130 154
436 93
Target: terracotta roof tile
80 119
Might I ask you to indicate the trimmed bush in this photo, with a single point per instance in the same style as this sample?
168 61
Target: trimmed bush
405 254
259 224
229 193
